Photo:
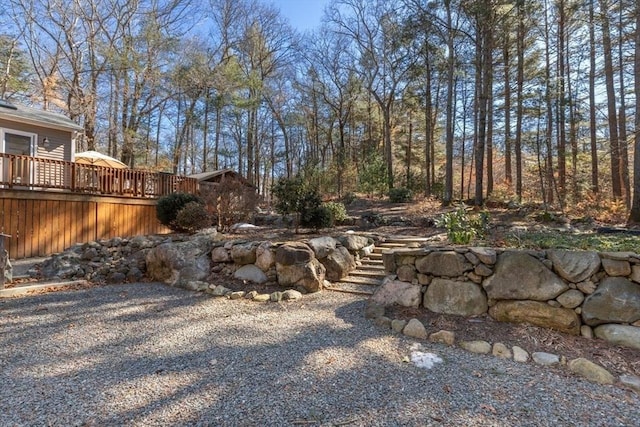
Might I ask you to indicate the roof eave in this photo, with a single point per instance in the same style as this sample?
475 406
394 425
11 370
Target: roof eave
57 126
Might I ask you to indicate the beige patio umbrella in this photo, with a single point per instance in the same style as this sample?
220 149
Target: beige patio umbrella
98 159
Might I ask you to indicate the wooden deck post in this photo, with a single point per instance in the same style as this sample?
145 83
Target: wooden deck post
4 261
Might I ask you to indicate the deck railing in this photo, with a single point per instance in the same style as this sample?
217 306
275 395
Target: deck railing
33 173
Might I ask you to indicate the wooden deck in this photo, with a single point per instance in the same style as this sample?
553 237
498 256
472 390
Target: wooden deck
48 205
33 173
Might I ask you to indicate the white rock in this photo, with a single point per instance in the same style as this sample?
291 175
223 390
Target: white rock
425 360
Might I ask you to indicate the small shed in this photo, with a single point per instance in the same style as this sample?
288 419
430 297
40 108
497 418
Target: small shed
219 176
229 196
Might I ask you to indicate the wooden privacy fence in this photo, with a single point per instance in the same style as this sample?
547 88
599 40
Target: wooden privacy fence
43 223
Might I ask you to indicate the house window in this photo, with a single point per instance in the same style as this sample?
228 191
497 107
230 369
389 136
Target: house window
16 171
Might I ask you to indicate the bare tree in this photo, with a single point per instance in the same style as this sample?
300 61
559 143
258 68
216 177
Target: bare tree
383 52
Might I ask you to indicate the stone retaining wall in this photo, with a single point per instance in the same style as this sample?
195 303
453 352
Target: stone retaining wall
576 292
301 265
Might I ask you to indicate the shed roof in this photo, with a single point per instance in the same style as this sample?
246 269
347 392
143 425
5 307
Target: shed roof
209 176
22 114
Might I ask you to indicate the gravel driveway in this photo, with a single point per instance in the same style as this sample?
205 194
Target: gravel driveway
148 354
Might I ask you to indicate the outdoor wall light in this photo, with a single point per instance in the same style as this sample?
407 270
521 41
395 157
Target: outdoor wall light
45 142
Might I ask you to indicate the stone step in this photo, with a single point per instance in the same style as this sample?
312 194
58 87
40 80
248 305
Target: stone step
368 273
376 255
407 240
391 245
378 266
350 288
361 280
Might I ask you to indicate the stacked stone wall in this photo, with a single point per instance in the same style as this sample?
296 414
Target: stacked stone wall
575 292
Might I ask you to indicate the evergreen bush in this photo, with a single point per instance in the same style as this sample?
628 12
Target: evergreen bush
338 211
400 195
168 207
193 217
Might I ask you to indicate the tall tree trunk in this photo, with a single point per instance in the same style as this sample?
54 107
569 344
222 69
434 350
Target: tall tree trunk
561 103
205 131
485 63
622 118
595 186
549 110
508 174
428 111
634 216
490 131
519 99
448 174
216 143
616 173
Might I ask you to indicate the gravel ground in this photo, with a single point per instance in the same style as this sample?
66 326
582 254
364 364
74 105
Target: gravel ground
148 354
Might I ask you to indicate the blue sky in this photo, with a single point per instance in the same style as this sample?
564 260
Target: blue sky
303 14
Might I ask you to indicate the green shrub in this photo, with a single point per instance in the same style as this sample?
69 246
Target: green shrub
349 198
461 227
372 177
400 195
192 217
289 194
295 196
318 217
168 206
338 211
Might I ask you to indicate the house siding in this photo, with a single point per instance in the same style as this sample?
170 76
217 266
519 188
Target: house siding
59 141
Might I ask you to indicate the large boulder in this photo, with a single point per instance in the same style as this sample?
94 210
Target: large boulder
519 276
574 266
392 292
615 267
265 256
354 242
244 253
537 313
453 297
220 254
616 300
294 253
309 275
443 263
177 264
323 246
624 335
339 263
297 266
